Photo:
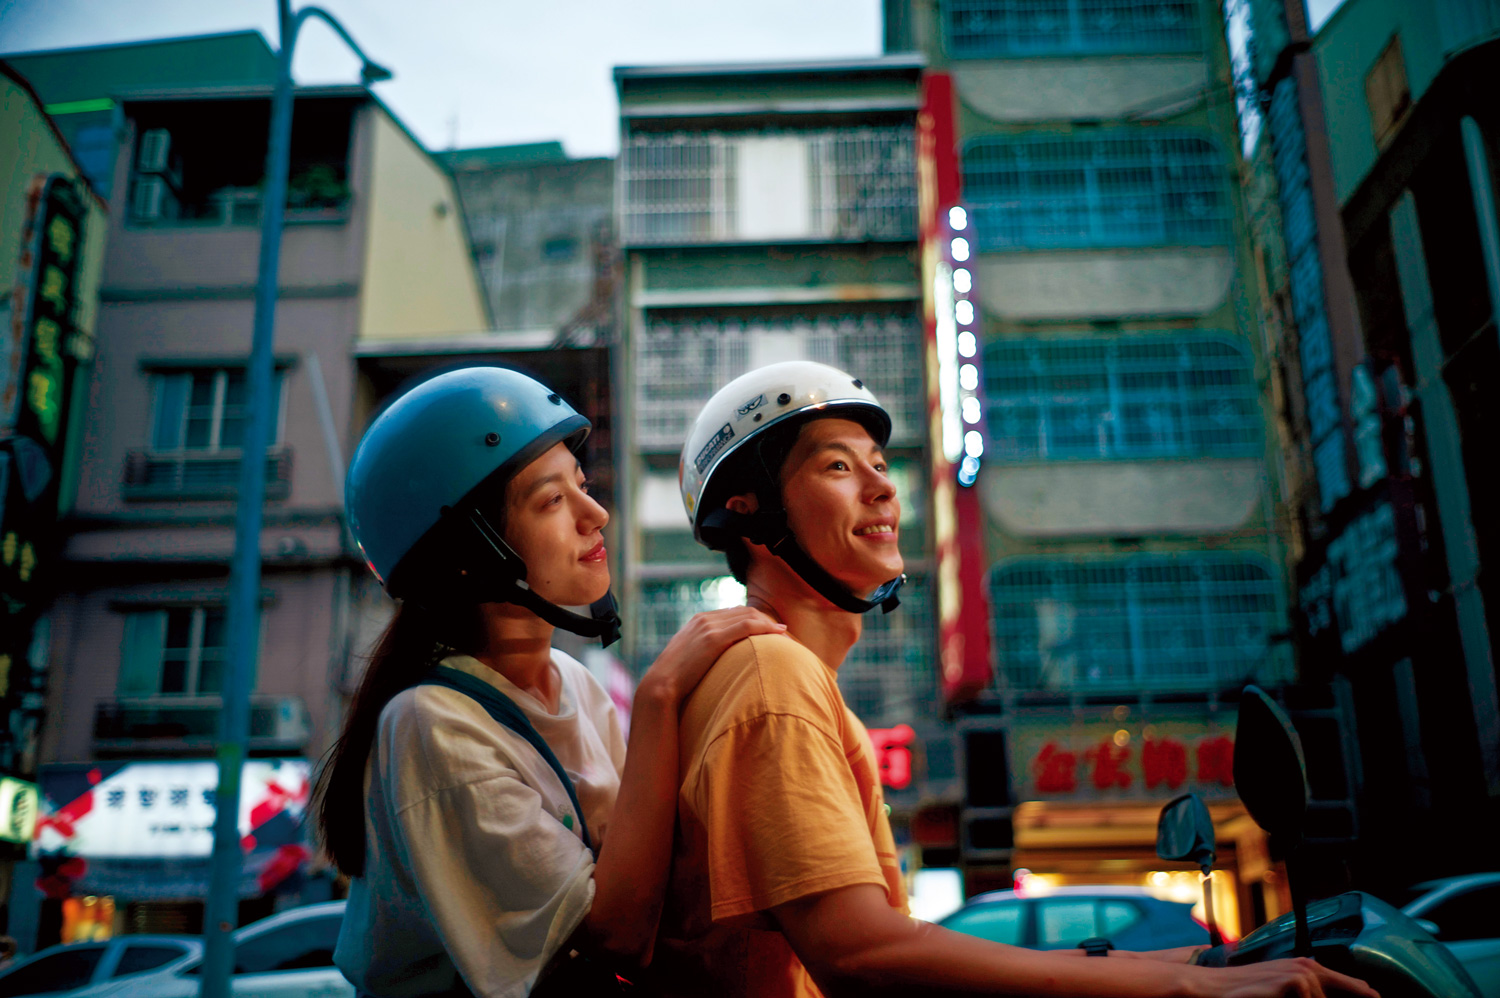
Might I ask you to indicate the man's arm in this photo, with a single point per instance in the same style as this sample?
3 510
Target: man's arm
854 943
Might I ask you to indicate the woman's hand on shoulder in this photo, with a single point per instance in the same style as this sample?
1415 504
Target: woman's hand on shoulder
687 657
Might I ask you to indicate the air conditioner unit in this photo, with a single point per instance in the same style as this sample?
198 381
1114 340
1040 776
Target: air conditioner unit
155 151
152 200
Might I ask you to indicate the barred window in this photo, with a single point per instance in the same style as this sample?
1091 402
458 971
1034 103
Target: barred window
888 677
995 29
1141 397
1125 188
679 365
703 187
1185 622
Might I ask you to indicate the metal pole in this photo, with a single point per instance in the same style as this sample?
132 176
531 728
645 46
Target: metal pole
220 916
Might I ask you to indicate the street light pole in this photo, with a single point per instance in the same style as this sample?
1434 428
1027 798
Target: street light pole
220 915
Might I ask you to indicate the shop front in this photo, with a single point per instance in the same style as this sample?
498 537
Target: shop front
1091 782
137 838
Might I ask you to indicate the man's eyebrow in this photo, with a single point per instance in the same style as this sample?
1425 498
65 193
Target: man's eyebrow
839 445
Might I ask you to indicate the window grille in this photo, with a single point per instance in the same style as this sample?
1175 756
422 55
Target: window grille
995 29
1189 622
1128 188
684 187
679 365
1142 397
888 677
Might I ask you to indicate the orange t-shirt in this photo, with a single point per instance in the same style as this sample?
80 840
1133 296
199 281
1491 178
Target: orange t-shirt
780 799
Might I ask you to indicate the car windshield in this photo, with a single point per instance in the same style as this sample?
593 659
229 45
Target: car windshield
62 971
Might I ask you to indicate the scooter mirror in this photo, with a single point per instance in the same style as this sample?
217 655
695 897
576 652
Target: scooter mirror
1185 831
1270 773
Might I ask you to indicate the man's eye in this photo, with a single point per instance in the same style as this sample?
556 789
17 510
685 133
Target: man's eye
838 466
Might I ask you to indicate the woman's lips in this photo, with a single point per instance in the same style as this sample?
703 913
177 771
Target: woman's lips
595 553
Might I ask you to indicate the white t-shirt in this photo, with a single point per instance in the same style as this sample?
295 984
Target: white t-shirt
473 857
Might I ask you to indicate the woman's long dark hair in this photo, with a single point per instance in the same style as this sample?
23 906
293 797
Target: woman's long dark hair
414 641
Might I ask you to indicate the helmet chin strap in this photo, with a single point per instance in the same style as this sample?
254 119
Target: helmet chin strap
769 528
603 621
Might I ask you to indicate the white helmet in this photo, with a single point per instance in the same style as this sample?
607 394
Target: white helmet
724 443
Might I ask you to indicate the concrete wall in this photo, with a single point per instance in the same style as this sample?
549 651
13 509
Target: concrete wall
1122 497
1069 89
419 278
88 629
1104 284
519 217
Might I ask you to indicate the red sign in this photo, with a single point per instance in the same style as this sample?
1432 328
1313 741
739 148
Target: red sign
893 754
1064 767
963 613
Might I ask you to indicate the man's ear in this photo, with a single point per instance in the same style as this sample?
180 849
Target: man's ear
743 504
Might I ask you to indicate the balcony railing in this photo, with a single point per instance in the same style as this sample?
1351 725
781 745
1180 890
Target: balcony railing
851 184
191 724
679 366
200 474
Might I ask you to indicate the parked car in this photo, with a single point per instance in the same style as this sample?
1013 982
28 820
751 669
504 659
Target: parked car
1464 914
1129 917
96 968
288 955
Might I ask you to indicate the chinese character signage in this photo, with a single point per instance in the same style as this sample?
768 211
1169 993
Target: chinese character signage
893 754
1122 759
18 810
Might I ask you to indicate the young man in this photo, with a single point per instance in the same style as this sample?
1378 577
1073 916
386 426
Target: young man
785 877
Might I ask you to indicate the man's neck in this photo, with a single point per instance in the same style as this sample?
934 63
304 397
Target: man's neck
824 629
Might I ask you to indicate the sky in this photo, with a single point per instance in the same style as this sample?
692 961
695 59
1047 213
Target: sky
484 72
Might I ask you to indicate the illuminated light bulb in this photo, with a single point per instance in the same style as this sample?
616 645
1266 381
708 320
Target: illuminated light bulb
960 248
971 410
964 312
974 443
957 219
963 281
968 377
968 345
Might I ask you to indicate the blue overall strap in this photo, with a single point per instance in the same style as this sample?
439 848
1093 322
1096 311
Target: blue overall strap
505 712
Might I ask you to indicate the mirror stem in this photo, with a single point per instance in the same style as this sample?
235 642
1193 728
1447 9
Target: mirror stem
1215 937
1303 945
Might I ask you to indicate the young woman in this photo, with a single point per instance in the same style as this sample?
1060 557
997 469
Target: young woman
469 855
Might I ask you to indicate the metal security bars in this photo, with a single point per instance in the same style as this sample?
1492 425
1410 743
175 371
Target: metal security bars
679 365
997 29
888 677
1124 188
1144 397
1152 622
684 188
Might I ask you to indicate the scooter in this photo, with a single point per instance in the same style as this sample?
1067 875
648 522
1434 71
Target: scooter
1353 933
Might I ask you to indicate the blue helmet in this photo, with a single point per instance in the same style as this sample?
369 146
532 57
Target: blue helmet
427 475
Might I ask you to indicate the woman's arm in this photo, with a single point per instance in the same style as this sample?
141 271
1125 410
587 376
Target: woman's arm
630 878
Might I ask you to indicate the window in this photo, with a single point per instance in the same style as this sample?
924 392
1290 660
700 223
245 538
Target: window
58 972
179 651
197 429
1122 188
888 677
665 605
1117 916
137 958
679 364
996 29
1062 924
1142 397
826 184
296 945
1000 922
1387 94
203 410
559 249
1196 621
1474 914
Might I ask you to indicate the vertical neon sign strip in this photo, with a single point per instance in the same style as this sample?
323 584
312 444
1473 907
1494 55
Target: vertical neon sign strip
958 521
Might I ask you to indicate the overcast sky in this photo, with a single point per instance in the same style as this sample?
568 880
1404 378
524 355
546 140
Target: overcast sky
485 73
